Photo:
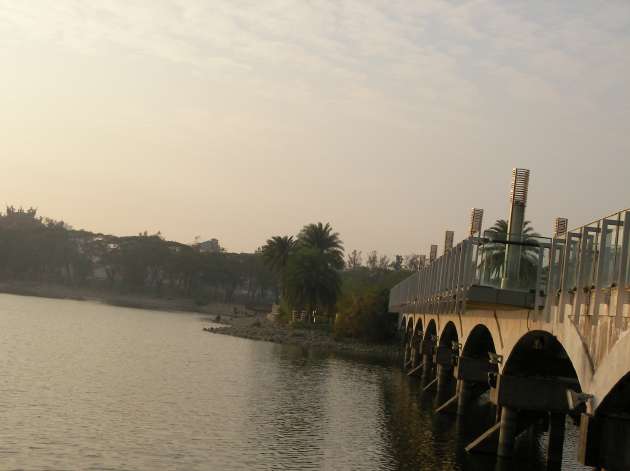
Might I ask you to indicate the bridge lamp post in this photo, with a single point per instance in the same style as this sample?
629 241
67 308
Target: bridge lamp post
476 221
433 253
448 241
518 201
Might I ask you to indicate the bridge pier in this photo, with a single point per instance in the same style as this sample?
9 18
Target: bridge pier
556 440
427 367
465 392
445 378
531 396
507 432
472 375
415 350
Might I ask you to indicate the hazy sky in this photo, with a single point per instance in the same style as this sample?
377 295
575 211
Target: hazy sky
243 119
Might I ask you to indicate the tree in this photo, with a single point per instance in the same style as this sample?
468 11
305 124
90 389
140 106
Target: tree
354 260
322 238
383 262
412 262
364 314
372 260
312 281
276 252
397 264
494 252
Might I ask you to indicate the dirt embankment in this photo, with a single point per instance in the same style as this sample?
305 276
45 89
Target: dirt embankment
320 340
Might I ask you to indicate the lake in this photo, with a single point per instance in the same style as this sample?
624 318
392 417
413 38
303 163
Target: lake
94 387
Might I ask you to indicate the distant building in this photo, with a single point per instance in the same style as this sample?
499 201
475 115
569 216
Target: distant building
210 246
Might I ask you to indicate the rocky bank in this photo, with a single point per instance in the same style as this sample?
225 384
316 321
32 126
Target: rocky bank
314 339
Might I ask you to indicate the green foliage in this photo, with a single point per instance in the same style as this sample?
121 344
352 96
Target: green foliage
308 267
362 278
284 312
276 252
364 315
495 252
42 250
322 238
312 282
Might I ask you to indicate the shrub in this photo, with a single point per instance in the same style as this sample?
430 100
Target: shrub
365 315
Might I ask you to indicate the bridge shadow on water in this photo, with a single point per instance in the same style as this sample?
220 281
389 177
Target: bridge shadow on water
422 439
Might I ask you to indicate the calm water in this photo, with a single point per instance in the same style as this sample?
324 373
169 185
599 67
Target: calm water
89 386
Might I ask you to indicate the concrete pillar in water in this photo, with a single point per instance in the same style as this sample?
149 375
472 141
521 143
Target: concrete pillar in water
556 440
413 355
444 381
464 395
427 366
507 432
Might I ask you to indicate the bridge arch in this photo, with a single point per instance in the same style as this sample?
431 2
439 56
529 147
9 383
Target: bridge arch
418 335
479 343
449 335
431 331
612 373
617 401
539 353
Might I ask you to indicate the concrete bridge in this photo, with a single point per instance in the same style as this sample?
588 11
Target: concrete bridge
542 324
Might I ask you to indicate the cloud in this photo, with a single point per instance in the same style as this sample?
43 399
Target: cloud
387 46
447 87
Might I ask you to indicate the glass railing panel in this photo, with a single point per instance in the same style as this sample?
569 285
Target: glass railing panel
589 255
543 269
491 263
529 261
623 237
569 282
610 251
555 269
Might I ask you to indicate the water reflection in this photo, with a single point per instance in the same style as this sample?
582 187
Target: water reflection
422 439
87 386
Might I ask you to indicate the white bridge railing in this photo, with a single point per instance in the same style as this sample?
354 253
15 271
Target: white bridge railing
589 274
582 275
443 285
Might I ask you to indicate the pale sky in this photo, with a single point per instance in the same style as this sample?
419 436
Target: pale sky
242 119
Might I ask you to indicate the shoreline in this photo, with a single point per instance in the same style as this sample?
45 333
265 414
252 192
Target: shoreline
317 340
134 301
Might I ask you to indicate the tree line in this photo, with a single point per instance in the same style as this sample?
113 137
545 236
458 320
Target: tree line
37 249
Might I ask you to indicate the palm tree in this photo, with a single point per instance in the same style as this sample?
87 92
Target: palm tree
322 238
494 251
312 281
276 252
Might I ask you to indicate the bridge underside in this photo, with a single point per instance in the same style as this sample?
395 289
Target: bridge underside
534 371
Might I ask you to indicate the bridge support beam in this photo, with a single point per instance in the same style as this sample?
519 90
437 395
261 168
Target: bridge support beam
531 394
472 377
